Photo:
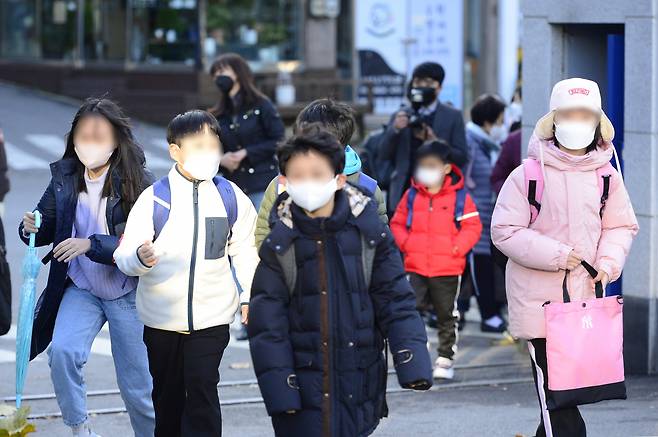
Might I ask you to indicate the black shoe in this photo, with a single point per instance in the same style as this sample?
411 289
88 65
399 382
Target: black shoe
462 321
433 321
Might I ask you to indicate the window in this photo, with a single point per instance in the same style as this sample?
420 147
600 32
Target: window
58 29
105 30
164 31
262 31
19 36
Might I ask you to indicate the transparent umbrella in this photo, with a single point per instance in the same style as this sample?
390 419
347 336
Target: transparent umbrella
31 265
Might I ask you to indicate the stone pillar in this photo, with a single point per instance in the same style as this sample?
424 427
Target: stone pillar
319 43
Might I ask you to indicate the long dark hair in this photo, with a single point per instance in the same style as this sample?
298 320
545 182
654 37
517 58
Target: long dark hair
249 94
598 139
128 157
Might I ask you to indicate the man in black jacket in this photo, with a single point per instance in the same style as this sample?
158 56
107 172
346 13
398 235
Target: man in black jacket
426 118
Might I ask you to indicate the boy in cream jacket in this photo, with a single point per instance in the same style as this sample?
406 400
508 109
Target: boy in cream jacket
178 240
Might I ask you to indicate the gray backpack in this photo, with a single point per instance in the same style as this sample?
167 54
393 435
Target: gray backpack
288 263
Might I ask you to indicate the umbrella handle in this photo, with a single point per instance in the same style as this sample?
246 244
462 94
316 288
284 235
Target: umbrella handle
37 224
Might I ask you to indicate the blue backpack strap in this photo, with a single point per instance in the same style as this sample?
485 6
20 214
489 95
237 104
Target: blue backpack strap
367 182
161 205
227 194
230 201
460 202
411 196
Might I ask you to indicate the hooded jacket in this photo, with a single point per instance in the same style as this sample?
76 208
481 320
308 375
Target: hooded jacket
569 220
319 349
428 244
57 207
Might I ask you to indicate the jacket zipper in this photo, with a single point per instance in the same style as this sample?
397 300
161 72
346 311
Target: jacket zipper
190 287
431 202
325 337
212 235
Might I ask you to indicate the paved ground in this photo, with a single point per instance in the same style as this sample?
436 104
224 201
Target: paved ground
35 125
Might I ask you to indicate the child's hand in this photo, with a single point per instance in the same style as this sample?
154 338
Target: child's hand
240 155
29 223
70 248
146 254
573 260
245 314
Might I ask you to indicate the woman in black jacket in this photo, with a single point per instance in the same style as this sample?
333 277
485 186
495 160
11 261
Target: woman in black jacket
250 127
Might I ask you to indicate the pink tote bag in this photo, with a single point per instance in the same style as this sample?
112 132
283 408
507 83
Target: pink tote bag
584 348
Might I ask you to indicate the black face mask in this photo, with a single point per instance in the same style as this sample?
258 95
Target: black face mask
224 83
421 96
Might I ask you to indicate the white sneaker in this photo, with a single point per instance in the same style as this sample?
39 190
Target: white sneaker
83 430
443 368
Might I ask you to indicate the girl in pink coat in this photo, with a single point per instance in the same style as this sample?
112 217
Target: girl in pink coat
571 142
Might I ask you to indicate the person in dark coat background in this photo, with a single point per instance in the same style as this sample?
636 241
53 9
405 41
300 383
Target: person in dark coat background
509 159
250 127
484 133
400 140
318 345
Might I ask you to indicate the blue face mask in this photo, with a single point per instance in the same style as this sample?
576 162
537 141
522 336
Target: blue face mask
352 161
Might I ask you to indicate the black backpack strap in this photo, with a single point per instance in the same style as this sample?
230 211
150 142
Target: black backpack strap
532 194
605 193
288 265
367 259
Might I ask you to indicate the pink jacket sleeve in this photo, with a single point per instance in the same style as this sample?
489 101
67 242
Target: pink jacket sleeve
618 227
510 232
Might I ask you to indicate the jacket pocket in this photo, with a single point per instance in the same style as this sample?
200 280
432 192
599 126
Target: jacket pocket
216 237
304 359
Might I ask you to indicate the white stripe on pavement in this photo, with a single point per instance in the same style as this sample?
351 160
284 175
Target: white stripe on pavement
49 143
21 160
101 346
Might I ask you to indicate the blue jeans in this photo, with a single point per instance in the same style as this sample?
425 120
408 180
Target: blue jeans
80 318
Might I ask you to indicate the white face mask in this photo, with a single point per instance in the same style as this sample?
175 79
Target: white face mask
92 155
498 133
312 195
574 135
202 165
430 177
514 112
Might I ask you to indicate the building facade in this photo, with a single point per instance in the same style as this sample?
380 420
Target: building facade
153 55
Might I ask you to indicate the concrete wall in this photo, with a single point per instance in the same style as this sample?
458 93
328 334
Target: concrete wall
546 59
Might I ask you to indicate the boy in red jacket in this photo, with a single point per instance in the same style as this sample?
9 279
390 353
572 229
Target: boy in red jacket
436 224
